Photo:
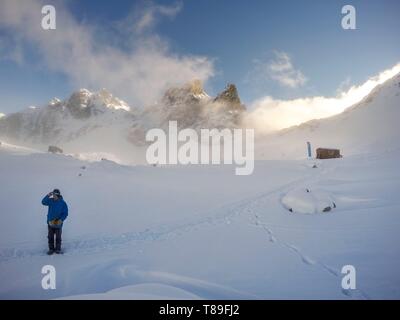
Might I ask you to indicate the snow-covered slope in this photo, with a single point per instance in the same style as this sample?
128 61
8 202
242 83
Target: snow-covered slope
124 237
16 150
372 124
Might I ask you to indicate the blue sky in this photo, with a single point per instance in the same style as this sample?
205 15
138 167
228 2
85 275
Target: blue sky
240 41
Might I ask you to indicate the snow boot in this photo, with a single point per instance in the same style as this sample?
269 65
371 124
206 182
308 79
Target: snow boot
50 252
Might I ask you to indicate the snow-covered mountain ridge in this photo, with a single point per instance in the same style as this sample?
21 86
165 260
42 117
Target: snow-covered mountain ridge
99 122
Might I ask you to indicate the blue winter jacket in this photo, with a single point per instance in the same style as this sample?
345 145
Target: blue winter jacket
57 209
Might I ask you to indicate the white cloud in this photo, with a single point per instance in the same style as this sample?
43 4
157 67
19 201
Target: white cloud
281 69
271 114
344 85
139 75
149 15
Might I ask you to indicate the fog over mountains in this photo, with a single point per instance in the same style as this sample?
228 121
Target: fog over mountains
98 124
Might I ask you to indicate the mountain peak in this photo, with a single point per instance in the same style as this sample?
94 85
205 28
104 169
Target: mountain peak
84 91
230 96
105 98
83 98
188 93
79 98
195 87
55 101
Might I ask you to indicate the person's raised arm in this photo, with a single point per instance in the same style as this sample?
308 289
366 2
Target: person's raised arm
46 200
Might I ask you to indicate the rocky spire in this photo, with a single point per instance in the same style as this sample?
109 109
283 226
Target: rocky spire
191 92
230 97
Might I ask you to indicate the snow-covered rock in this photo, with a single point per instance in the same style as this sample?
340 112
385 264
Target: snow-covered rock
302 200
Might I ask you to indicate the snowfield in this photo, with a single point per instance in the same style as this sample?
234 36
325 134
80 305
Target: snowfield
201 232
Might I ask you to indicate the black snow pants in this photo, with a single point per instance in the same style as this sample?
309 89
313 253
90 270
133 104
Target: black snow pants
57 233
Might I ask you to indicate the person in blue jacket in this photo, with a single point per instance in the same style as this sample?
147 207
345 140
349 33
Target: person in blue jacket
57 213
